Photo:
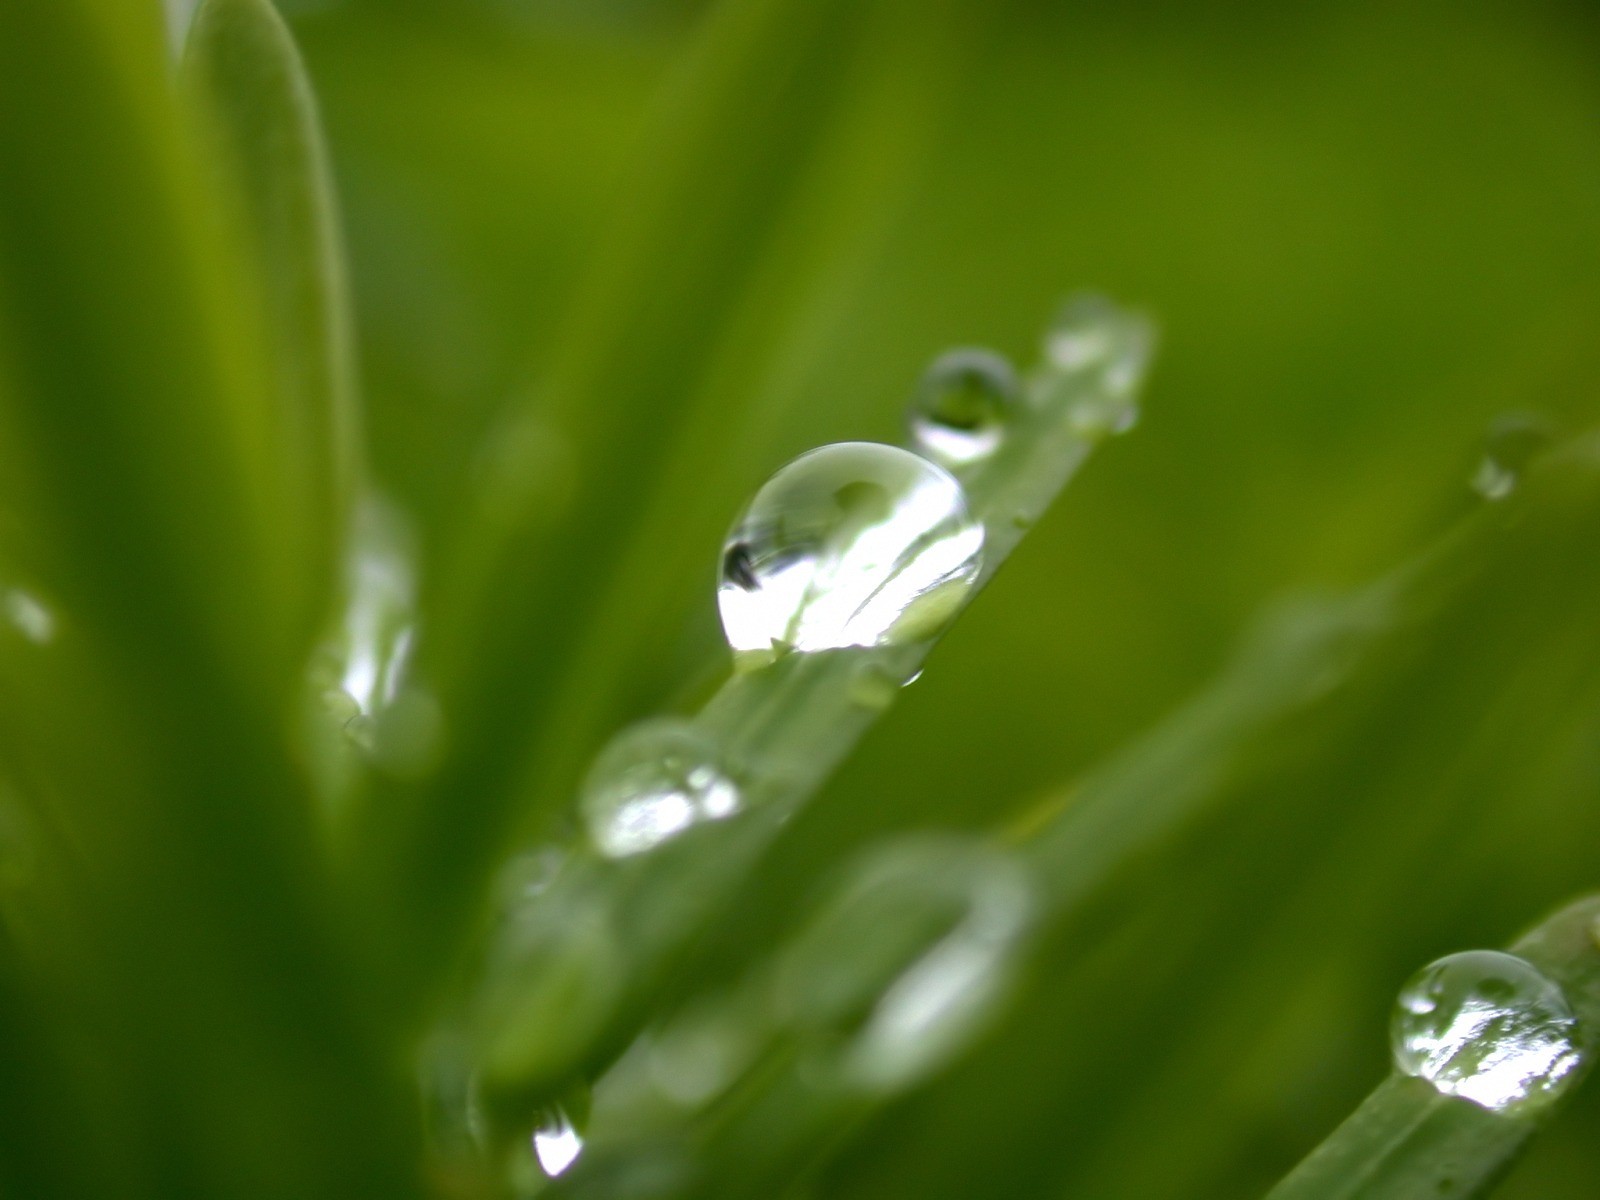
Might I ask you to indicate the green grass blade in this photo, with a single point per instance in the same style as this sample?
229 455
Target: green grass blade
196 976
142 414
1407 1139
248 79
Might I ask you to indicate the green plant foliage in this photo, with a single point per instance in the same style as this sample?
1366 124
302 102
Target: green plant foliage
380 811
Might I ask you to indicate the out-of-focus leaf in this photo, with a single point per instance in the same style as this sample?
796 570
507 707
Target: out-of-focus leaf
148 448
156 529
248 79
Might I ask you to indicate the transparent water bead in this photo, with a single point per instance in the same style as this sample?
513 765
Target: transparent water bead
653 782
1095 356
854 544
556 1143
1488 1027
910 959
1513 441
963 405
29 615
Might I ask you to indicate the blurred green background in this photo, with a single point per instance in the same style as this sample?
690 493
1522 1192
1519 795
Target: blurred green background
587 296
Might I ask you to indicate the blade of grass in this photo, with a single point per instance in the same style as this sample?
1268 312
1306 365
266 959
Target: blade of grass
249 82
142 402
148 476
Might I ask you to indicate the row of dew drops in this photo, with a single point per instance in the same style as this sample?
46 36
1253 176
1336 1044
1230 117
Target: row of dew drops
858 544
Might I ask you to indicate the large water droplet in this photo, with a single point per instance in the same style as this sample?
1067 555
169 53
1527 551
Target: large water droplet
910 959
556 1143
1488 1027
1513 441
855 544
653 782
963 406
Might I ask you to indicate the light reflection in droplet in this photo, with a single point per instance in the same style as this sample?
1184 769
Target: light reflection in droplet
654 782
556 1144
1488 1027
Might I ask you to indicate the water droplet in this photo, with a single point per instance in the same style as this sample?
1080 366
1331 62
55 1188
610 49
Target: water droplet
854 544
527 876
1513 441
556 1143
367 658
653 782
966 399
1095 357
29 615
910 959
702 1053
1488 1027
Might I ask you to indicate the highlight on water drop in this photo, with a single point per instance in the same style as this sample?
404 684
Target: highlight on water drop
557 1144
1514 440
963 406
854 544
1486 1026
652 783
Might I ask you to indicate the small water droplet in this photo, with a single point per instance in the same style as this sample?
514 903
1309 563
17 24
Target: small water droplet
29 615
701 1054
653 782
367 657
1488 1027
854 544
961 409
556 1143
910 959
1513 441
1095 356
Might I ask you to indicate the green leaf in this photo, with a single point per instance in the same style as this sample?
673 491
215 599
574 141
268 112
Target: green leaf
248 79
150 452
